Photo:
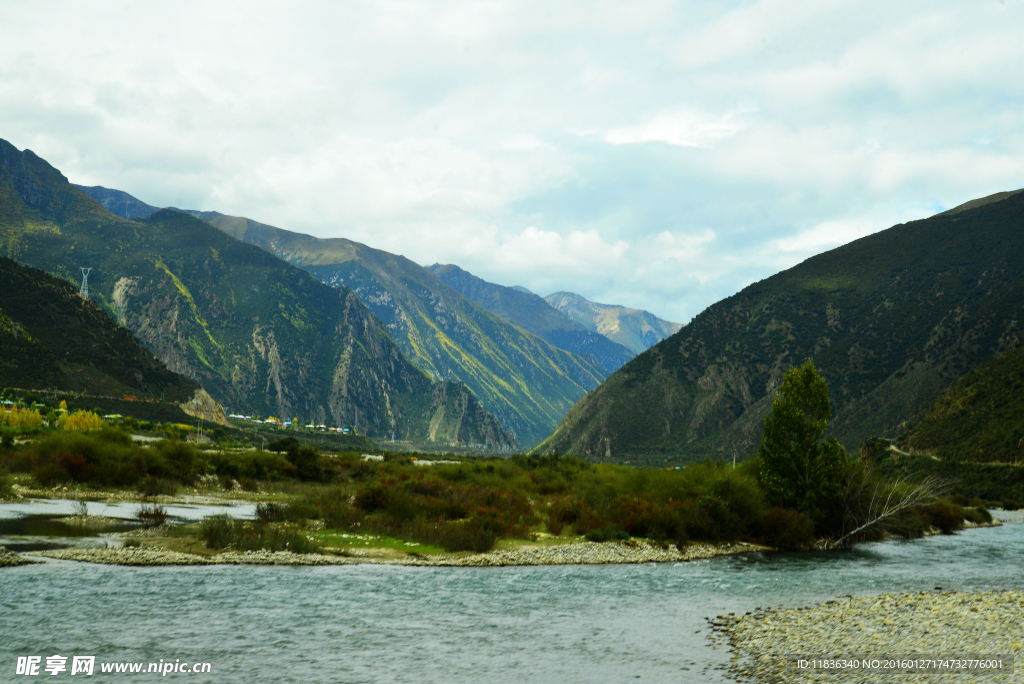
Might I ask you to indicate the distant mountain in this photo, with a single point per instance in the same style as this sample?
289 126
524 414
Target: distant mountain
981 417
118 202
891 321
52 339
632 328
531 313
258 334
524 381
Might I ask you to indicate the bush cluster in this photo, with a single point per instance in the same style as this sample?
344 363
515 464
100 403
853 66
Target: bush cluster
220 532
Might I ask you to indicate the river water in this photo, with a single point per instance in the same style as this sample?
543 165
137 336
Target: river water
372 623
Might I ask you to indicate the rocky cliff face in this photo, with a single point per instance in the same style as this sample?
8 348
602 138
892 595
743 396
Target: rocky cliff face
202 406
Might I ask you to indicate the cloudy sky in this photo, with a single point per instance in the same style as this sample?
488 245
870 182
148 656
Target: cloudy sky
661 155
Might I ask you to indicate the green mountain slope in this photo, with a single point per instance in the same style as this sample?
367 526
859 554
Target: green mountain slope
260 335
632 328
52 339
891 320
524 381
531 313
981 417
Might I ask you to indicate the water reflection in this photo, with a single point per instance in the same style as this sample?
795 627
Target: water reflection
41 524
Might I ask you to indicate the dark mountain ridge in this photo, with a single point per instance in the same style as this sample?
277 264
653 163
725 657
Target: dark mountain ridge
891 321
53 339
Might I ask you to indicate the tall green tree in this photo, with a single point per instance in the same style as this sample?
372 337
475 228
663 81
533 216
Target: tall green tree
801 469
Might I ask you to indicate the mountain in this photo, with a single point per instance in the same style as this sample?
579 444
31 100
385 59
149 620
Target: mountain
531 313
981 417
118 202
259 334
525 382
891 320
53 339
632 328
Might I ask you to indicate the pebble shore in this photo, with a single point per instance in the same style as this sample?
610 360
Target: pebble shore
584 553
935 624
10 559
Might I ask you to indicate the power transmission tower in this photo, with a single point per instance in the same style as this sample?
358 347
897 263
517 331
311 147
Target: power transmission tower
84 292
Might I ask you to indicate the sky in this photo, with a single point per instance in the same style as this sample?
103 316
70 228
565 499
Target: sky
659 155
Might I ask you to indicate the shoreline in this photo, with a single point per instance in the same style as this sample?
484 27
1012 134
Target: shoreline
582 553
927 625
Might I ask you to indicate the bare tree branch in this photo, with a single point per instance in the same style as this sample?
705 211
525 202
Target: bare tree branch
888 499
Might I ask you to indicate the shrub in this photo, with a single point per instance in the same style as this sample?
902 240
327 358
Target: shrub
151 516
216 531
787 530
373 498
220 532
978 515
50 475
270 512
610 533
6 488
155 486
945 515
565 512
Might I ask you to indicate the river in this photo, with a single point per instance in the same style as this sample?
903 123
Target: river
374 623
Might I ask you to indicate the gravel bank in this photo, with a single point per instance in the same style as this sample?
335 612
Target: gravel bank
593 553
568 554
913 625
10 559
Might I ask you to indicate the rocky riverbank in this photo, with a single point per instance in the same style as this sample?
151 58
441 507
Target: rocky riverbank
10 559
929 625
585 553
594 553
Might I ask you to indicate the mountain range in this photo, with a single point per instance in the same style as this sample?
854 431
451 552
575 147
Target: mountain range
891 320
51 338
257 333
533 314
634 329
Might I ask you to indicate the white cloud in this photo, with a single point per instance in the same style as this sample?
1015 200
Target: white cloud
510 137
685 128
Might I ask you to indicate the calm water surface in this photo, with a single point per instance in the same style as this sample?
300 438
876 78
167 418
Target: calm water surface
369 623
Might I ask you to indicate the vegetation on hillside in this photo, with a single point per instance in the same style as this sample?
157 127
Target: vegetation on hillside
533 314
51 338
521 379
257 334
981 417
892 320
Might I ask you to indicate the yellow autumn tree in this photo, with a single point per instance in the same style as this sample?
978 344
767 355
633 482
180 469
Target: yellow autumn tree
80 421
21 419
